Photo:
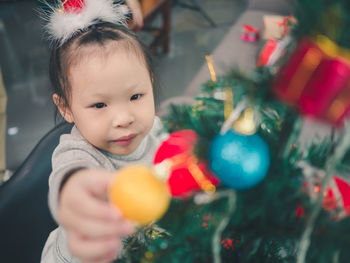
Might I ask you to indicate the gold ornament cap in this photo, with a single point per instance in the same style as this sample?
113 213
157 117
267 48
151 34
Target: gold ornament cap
245 124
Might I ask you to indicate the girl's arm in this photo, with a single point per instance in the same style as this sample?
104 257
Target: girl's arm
90 227
94 227
135 8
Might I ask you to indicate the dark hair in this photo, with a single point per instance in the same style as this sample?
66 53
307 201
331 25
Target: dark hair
101 34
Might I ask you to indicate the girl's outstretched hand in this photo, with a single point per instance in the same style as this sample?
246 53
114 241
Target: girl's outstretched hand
94 226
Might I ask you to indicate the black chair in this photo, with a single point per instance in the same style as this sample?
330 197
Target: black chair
25 220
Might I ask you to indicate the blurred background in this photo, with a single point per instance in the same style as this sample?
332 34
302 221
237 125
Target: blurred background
196 28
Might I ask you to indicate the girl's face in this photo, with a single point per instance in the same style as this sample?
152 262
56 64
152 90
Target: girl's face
111 101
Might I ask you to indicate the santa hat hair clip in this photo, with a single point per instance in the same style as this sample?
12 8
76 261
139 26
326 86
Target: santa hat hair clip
65 18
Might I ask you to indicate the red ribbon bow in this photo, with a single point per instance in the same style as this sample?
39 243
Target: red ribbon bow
73 5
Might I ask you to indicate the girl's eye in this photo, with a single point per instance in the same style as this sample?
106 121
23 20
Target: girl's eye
136 96
99 105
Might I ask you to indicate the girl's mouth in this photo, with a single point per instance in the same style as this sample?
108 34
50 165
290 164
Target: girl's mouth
125 140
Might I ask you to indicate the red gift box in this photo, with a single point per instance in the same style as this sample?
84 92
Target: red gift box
276 27
272 51
266 53
316 79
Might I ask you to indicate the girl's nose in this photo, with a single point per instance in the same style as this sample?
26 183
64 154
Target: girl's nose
123 119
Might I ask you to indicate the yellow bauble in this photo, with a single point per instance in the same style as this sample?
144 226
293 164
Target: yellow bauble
139 195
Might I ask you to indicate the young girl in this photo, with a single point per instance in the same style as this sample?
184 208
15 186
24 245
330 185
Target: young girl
104 83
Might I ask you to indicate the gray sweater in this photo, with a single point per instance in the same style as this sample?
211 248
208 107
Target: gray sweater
74 151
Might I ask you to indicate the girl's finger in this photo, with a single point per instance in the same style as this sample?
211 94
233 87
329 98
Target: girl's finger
93 228
94 250
90 207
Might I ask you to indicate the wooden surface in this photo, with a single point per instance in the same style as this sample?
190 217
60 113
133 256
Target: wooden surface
150 9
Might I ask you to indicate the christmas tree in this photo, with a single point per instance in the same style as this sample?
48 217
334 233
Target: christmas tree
244 189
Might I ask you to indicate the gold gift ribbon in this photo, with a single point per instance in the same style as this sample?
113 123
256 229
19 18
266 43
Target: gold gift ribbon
331 49
339 105
302 75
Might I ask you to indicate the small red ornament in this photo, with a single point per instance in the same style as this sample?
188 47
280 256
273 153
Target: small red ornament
73 5
206 219
187 174
316 80
230 242
336 198
249 33
299 212
227 243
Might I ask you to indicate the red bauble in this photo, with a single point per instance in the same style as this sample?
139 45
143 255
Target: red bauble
179 146
73 5
316 82
336 198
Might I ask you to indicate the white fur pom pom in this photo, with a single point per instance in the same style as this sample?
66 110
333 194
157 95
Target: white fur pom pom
63 25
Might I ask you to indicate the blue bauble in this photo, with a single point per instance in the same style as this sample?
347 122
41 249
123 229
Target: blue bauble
239 161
